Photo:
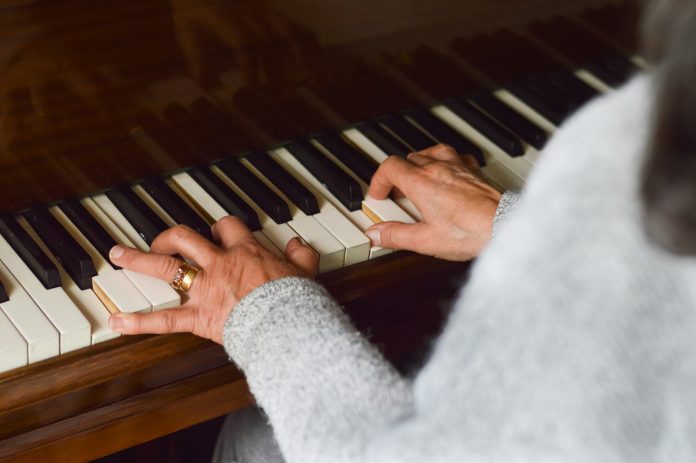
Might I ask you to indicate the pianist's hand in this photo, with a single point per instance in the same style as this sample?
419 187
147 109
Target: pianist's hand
457 204
229 270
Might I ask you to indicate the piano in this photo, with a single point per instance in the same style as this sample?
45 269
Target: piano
121 118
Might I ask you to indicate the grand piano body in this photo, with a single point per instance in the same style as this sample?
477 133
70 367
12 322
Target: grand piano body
95 95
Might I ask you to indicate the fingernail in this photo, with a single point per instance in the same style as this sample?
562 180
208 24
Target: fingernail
115 323
116 252
374 235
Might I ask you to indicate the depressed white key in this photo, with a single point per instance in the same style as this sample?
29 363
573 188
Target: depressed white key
330 250
156 291
43 341
356 245
382 211
13 347
63 314
325 199
404 203
85 299
517 164
112 286
379 156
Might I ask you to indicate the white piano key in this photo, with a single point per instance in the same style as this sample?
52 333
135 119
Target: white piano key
85 299
119 221
524 109
279 234
326 198
355 244
72 326
206 204
376 153
383 211
593 81
13 347
519 165
43 341
268 244
112 286
156 291
404 203
331 251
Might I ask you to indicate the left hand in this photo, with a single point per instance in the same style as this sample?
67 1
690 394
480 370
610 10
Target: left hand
228 271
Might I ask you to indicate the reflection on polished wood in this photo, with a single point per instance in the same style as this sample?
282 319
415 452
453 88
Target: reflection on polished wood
81 83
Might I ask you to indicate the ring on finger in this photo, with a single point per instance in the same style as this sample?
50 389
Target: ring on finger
183 277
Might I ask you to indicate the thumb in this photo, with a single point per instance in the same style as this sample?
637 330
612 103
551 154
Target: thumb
163 321
398 235
302 256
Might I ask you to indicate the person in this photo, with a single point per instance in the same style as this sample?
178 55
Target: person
572 340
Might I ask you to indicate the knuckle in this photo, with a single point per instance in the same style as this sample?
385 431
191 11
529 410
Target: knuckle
167 266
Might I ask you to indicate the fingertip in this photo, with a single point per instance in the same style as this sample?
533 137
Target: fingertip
375 235
116 252
116 323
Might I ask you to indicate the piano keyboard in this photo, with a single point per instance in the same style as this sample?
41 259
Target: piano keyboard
57 286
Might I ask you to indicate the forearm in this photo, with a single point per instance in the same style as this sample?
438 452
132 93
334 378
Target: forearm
326 389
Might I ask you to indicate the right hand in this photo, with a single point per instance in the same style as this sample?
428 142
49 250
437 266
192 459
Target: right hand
458 206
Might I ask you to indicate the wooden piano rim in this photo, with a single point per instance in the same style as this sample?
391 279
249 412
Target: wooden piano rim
140 388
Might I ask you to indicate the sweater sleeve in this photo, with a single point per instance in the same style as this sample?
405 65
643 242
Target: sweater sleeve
326 390
507 204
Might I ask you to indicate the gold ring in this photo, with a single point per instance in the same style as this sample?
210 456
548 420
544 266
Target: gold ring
183 278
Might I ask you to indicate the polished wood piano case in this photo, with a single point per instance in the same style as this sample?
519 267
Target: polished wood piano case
77 81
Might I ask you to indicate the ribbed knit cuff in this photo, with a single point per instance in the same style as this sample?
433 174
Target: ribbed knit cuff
505 207
255 306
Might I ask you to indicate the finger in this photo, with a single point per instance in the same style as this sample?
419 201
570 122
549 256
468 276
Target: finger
302 256
160 266
230 231
185 241
420 159
394 172
471 163
397 235
438 152
163 321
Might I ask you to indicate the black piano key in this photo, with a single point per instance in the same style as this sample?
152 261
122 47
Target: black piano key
384 141
258 191
407 133
176 207
69 253
358 163
29 251
573 86
443 133
509 118
88 226
538 104
342 185
228 199
604 74
620 66
3 294
292 188
489 128
552 95
145 221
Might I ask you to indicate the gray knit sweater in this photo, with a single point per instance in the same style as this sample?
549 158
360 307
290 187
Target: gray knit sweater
574 340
